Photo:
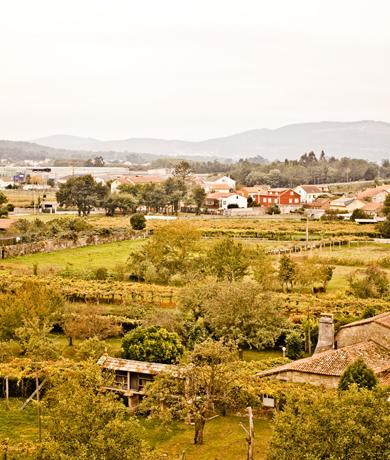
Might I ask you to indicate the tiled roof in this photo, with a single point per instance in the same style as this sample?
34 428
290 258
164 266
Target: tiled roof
370 192
383 318
334 362
311 188
219 195
119 364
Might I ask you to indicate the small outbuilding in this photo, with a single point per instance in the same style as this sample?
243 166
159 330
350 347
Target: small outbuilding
130 376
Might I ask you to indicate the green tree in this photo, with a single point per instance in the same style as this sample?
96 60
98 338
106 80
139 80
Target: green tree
3 198
319 424
83 422
171 251
228 260
208 382
152 344
359 214
82 192
198 196
371 282
287 271
237 312
358 373
294 345
138 221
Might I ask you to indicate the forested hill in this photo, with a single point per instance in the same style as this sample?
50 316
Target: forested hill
361 139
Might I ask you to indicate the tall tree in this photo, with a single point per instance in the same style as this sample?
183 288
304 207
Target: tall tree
205 384
228 260
83 192
320 424
84 422
198 196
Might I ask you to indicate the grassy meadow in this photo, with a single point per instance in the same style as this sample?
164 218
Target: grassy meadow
223 438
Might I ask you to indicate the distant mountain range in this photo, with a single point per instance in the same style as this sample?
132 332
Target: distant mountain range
362 139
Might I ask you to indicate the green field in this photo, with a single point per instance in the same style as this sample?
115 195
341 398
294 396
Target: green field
85 258
16 425
223 437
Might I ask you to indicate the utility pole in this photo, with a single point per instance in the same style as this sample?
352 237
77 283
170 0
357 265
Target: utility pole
250 434
308 330
307 229
38 405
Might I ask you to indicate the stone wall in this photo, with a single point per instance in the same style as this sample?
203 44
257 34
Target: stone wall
326 381
52 245
363 332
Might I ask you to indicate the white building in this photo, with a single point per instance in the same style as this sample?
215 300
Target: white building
225 201
308 193
346 204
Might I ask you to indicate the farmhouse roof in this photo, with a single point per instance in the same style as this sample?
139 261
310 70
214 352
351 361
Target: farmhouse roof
343 201
311 188
373 191
218 185
383 319
219 195
334 362
373 206
129 365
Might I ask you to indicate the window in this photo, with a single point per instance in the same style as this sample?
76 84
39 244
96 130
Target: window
296 200
264 200
275 200
268 401
290 200
269 200
291 193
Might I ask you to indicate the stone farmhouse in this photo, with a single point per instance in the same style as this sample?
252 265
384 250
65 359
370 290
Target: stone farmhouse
368 338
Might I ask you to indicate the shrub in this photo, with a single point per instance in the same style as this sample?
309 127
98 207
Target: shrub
101 273
138 221
358 373
152 344
273 209
10 207
359 214
294 345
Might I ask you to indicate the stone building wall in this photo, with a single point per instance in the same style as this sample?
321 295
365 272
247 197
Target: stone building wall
327 381
52 245
361 333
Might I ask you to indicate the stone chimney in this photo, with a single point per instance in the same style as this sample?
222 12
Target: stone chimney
325 333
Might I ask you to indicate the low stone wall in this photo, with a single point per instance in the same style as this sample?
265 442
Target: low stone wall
52 245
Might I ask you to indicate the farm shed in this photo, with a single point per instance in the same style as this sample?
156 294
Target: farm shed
130 376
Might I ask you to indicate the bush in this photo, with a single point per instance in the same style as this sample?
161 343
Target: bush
101 273
10 207
358 373
273 209
138 221
294 345
359 214
152 344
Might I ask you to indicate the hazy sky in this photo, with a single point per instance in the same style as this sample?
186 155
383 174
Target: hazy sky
189 69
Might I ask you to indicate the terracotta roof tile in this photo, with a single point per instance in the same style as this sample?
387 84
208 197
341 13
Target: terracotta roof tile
334 362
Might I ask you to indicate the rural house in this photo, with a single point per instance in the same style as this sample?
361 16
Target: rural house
369 339
346 204
375 194
223 201
286 198
308 193
130 377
